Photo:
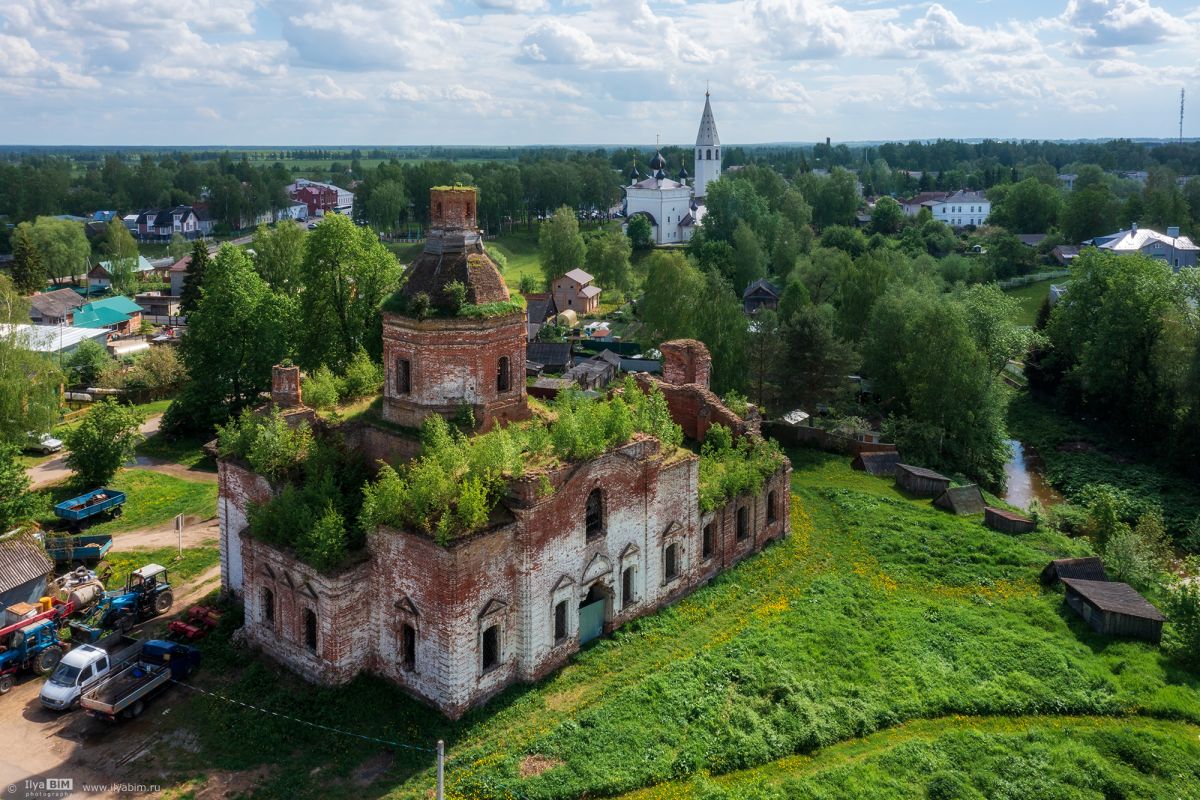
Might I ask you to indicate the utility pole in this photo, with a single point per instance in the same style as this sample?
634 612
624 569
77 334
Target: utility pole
1181 97
441 770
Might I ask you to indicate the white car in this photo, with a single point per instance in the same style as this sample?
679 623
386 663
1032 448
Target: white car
44 443
77 672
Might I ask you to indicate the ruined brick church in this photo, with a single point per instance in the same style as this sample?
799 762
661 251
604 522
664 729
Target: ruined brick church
620 535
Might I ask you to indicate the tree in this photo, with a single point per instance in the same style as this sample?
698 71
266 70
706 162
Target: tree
949 407
102 442
63 247
1030 206
159 370
991 316
748 259
814 364
608 257
386 203
672 301
347 273
764 352
29 381
640 232
721 324
1090 212
279 256
193 278
848 240
560 246
86 363
239 330
727 202
28 269
887 217
177 248
16 503
122 252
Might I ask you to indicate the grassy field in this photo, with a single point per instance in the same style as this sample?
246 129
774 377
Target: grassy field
184 450
194 561
153 501
878 615
1031 298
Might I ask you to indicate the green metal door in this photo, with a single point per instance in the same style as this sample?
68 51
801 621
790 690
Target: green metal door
591 621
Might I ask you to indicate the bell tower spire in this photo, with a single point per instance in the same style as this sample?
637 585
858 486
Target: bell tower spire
708 149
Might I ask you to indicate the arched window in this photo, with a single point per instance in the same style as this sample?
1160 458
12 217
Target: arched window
718 154
697 153
310 629
743 523
772 514
502 374
594 514
708 155
706 546
671 562
268 609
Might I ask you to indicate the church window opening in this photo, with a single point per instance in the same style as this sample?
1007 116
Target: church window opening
772 514
403 376
268 598
671 562
408 645
743 524
491 647
560 621
708 155
310 629
594 514
628 596
502 374
706 549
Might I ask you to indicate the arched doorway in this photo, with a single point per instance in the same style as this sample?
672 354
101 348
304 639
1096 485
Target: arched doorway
594 609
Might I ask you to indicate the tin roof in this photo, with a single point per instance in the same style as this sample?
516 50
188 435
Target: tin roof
22 559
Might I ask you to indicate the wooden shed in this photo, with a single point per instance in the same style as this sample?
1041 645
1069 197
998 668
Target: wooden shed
1114 609
1090 568
1007 521
961 500
879 463
920 481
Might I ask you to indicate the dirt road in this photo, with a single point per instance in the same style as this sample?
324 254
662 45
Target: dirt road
55 470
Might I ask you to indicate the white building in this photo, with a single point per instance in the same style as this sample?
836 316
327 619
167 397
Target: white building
674 208
962 208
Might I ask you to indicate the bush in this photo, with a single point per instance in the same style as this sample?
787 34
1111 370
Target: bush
737 403
456 296
85 365
320 388
1183 609
728 470
159 370
104 440
362 378
323 544
274 448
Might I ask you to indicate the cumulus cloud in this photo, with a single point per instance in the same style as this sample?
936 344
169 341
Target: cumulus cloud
804 28
394 34
1121 23
326 88
513 6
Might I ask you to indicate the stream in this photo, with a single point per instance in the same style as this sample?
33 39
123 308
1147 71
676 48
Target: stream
1024 481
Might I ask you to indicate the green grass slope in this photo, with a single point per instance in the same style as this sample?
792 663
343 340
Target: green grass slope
877 612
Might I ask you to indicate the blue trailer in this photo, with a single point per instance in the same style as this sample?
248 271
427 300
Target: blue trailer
98 501
86 550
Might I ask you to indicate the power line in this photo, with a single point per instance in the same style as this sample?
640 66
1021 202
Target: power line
318 725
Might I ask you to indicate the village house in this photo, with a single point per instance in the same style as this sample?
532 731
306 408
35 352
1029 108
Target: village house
99 277
117 314
574 291
913 205
54 308
321 198
161 224
760 294
568 555
1176 250
962 208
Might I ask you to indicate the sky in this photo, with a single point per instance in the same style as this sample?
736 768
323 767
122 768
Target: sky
517 72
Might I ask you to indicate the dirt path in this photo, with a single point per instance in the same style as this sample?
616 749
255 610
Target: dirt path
196 533
56 470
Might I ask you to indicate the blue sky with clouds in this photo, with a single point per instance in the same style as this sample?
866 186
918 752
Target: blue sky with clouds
589 71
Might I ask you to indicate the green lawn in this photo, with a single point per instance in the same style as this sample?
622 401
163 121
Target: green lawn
1031 298
194 561
184 450
153 500
876 612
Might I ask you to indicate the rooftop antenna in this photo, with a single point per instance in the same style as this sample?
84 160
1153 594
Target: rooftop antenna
1181 97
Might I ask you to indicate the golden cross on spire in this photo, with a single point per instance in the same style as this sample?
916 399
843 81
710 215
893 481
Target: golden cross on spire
657 143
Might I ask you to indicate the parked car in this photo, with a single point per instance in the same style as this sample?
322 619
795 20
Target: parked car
83 667
43 443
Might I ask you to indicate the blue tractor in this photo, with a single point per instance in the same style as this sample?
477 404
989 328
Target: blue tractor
35 646
147 594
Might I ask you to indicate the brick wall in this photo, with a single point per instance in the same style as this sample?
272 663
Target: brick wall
237 489
453 208
686 361
451 362
695 409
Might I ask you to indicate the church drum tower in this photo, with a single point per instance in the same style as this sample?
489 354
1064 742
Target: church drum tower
708 151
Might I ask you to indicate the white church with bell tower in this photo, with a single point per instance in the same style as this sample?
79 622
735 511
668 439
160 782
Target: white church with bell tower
674 207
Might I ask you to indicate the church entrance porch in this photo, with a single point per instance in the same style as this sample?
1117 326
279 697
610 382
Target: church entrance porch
593 610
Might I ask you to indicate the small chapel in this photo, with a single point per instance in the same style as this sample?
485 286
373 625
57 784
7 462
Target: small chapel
673 206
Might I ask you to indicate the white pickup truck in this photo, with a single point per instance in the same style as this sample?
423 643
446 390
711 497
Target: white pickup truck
82 668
